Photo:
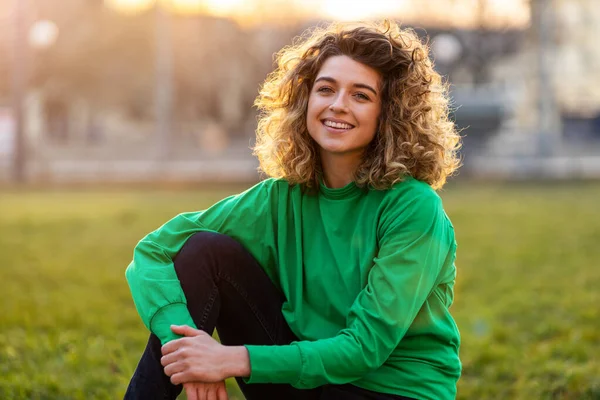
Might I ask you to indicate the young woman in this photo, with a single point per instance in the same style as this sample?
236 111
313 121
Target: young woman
332 279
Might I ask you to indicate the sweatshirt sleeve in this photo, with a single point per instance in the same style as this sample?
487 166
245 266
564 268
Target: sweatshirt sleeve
155 288
416 241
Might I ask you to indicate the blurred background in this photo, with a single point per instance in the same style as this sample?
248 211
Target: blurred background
142 90
115 115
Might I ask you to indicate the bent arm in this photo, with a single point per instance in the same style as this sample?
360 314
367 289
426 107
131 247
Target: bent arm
155 288
414 248
152 279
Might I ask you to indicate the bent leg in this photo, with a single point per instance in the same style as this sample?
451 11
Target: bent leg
149 380
226 288
242 303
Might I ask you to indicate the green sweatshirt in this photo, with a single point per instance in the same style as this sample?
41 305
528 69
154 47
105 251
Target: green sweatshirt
368 278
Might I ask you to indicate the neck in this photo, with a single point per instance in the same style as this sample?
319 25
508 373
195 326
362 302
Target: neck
338 171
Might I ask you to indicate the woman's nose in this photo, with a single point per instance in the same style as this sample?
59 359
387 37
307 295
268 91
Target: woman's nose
339 104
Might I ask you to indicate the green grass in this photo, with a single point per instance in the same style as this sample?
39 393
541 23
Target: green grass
527 295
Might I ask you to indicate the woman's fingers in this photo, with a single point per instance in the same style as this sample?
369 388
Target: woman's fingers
168 359
222 393
174 368
205 391
172 346
185 330
202 391
179 378
211 392
191 392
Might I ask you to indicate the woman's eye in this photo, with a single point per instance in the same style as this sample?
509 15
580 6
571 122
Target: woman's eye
324 89
362 96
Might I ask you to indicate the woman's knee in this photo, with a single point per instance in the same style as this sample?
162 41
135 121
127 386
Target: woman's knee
202 239
206 249
206 241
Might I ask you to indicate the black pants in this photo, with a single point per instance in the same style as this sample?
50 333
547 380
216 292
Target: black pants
226 288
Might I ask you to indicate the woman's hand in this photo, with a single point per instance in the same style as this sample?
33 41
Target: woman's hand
205 391
197 357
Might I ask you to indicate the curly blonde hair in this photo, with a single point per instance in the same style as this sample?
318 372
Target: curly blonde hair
415 135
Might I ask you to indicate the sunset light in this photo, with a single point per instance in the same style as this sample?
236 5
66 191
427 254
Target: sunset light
186 6
353 10
213 7
129 6
495 13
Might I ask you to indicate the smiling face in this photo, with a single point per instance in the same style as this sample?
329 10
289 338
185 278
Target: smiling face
344 107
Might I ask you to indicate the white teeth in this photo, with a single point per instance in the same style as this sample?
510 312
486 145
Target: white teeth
338 125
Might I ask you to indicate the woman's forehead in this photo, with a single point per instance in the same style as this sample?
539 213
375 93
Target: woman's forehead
344 69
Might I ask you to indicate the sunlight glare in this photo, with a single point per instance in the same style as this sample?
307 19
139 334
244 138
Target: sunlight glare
213 7
222 7
517 12
129 6
354 10
187 6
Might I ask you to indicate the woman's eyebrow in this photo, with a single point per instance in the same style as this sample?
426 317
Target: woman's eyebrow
358 85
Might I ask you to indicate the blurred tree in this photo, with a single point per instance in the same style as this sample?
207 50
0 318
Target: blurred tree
216 72
100 56
107 60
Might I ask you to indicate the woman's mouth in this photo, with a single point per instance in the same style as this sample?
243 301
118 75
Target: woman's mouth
336 126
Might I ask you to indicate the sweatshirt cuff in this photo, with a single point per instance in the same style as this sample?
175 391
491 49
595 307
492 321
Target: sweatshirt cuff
274 364
171 314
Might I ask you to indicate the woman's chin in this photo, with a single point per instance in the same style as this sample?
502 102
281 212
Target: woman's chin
334 150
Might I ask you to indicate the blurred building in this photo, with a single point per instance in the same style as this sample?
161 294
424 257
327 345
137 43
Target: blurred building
577 72
576 67
573 60
546 91
525 96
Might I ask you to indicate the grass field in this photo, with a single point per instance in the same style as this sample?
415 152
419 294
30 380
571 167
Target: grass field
527 296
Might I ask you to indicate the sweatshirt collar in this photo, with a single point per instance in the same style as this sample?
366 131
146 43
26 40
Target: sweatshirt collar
346 192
